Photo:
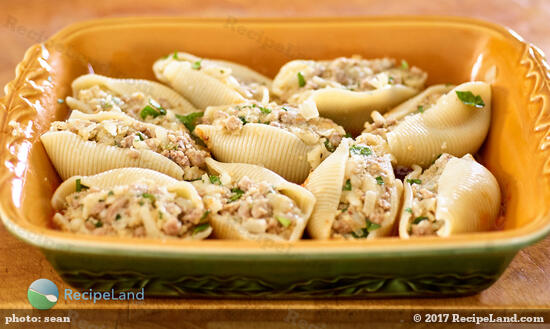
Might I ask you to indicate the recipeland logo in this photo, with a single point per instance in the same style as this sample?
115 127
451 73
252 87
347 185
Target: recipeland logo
43 294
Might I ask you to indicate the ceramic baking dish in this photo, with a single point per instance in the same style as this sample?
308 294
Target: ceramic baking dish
452 50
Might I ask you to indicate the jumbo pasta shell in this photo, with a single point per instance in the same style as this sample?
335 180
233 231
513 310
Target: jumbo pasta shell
449 126
126 87
468 199
71 155
351 109
127 176
271 147
411 105
227 229
325 183
200 88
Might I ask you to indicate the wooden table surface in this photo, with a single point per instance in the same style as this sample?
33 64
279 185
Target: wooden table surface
525 284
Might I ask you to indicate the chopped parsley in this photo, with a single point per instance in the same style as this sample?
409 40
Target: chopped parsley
237 194
141 203
391 80
404 64
420 108
60 100
80 186
204 216
200 228
111 193
361 150
419 219
468 98
347 135
148 110
156 105
140 136
150 197
284 109
369 227
160 215
409 210
118 217
414 181
264 110
283 220
329 146
215 179
243 120
98 223
301 80
347 186
380 180
175 56
196 65
189 120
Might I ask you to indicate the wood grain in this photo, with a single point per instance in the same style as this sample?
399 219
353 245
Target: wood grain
525 284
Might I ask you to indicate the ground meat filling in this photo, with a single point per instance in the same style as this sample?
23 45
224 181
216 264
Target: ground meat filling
322 134
365 201
177 146
424 204
137 105
381 125
138 210
256 206
355 74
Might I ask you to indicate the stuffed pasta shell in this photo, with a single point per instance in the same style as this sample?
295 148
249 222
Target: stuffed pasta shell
454 195
248 202
207 82
88 144
442 119
357 193
348 89
130 202
277 137
142 100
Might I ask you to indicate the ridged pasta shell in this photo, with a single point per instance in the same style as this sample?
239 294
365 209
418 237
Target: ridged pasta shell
127 176
447 127
468 198
325 182
259 144
350 109
71 155
227 229
411 105
126 87
202 89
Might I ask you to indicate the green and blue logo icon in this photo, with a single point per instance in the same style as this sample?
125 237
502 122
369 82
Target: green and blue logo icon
43 294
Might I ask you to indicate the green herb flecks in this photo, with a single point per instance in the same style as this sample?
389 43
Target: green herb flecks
148 110
215 179
243 120
283 220
237 194
157 106
79 186
361 150
379 180
118 217
329 146
420 108
414 181
190 120
301 80
409 210
419 219
204 216
98 224
347 185
264 110
196 65
150 197
200 228
369 227
468 98
404 64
